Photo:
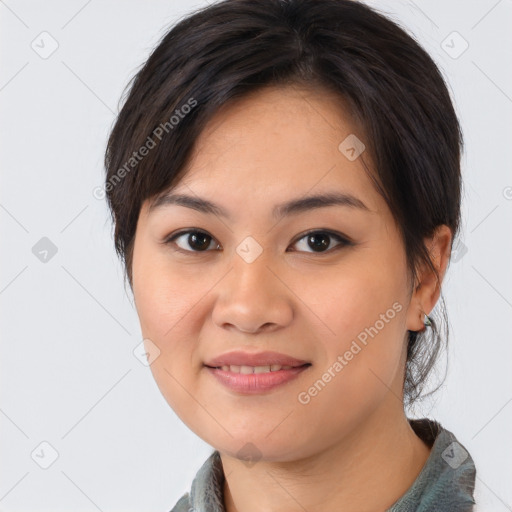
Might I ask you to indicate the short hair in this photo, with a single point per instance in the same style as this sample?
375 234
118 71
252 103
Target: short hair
228 49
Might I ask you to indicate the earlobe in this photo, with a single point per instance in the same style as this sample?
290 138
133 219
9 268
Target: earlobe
428 289
425 319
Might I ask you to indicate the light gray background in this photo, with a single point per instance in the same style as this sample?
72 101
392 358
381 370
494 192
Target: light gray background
69 376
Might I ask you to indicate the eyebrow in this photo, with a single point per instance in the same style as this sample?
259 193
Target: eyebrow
293 207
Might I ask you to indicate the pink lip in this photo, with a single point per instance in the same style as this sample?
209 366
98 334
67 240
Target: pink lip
255 383
241 358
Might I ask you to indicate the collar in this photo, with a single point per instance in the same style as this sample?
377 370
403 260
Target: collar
445 484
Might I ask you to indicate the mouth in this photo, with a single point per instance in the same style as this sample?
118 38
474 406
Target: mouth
255 373
247 370
240 361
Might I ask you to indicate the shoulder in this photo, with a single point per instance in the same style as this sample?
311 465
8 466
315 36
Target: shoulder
486 499
206 491
183 504
447 480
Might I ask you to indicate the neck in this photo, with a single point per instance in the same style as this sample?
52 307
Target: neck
383 456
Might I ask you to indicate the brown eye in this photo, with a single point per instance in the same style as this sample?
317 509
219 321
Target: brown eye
192 241
320 241
317 241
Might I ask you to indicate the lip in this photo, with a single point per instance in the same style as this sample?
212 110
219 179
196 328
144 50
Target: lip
255 383
241 358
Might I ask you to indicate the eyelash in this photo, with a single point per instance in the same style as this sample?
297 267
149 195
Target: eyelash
344 241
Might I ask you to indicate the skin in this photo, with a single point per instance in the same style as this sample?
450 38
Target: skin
275 145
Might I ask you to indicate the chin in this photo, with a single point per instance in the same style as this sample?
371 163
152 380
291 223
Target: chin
259 447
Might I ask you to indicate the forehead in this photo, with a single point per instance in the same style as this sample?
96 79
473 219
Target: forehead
277 143
275 124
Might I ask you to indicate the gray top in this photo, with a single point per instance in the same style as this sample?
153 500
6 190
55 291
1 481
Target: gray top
445 484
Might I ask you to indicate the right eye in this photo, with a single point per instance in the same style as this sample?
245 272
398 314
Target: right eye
199 241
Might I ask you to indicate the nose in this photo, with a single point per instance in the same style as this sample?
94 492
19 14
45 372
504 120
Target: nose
253 297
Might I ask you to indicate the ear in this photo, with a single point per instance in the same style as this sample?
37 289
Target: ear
427 290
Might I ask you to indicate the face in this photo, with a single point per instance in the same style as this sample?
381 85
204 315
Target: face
322 282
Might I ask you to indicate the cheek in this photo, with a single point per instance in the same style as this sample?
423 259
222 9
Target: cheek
362 363
351 300
172 305
163 296
168 306
363 313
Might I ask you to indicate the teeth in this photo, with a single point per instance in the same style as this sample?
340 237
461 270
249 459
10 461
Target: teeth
247 369
254 369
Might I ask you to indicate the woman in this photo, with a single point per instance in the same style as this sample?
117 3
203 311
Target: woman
285 184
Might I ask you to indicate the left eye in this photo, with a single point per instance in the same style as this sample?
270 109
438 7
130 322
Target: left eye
196 239
199 241
320 241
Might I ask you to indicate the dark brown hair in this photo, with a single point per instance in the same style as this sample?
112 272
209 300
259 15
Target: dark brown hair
230 48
